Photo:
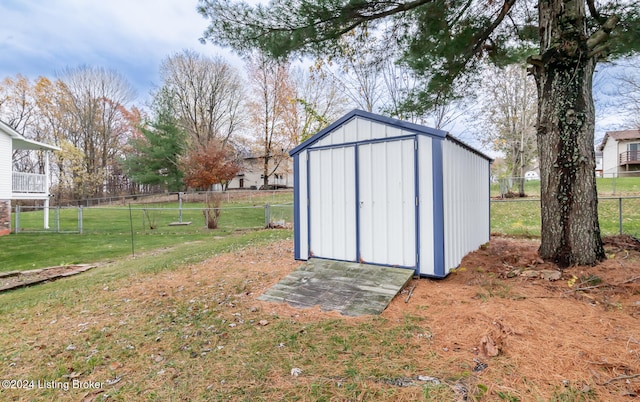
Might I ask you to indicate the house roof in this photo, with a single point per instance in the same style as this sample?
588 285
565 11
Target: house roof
20 142
619 136
401 124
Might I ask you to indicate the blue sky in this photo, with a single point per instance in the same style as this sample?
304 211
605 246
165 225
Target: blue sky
132 37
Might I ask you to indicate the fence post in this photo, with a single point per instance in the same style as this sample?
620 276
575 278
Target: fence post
17 230
80 219
267 215
620 213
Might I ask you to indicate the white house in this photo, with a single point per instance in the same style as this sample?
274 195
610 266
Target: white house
620 153
376 190
250 176
20 185
531 175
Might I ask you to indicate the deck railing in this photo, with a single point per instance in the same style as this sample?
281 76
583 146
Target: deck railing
28 183
629 157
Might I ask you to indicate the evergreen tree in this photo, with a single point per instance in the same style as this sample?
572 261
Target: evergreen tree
155 157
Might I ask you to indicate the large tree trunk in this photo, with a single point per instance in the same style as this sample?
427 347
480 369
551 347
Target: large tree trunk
566 116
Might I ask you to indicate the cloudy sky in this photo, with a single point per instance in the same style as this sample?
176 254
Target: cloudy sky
132 37
42 37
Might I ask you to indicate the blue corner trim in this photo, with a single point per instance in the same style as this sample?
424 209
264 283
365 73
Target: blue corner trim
308 195
416 195
438 209
356 158
296 207
489 200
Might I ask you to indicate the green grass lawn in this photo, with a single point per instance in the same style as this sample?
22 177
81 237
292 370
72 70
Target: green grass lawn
606 187
107 232
242 214
166 258
521 217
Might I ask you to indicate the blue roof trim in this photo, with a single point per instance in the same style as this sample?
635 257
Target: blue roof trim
468 147
405 125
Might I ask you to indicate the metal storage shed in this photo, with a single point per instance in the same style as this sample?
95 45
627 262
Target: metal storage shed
382 191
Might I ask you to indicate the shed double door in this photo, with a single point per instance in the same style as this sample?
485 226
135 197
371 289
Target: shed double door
362 203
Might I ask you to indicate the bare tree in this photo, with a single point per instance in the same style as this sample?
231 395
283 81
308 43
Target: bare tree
319 102
628 77
17 103
206 95
18 110
272 108
96 121
507 117
356 69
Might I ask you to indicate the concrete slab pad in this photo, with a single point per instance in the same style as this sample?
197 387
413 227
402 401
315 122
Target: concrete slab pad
352 289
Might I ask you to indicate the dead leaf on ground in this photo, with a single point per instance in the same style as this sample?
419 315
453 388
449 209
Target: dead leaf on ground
488 347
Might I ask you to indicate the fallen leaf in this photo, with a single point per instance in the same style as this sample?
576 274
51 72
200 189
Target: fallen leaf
488 347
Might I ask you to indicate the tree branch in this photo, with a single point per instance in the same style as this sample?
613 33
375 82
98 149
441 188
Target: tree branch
594 12
358 17
596 42
484 35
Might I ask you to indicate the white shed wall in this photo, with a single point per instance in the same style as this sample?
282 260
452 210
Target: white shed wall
359 129
387 209
425 177
332 202
465 202
5 166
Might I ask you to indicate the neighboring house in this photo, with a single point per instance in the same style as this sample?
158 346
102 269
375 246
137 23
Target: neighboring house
250 176
531 175
20 185
598 163
620 153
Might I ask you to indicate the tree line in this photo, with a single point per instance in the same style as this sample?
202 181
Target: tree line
206 116
203 119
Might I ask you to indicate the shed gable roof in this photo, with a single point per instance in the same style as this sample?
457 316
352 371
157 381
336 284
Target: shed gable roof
400 124
389 121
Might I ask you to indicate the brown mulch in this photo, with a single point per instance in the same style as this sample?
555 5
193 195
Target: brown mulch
536 336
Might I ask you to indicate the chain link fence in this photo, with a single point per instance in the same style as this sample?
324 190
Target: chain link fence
521 216
173 213
608 185
515 216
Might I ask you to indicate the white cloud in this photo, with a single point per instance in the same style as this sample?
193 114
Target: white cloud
41 38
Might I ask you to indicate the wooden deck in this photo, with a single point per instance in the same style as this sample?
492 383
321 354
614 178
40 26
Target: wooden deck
350 288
